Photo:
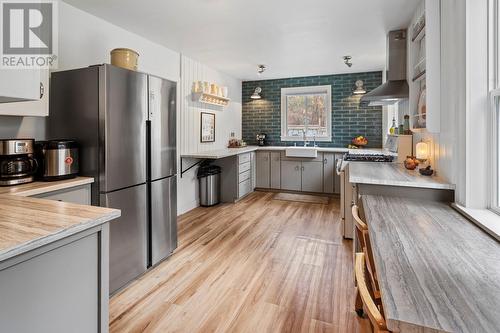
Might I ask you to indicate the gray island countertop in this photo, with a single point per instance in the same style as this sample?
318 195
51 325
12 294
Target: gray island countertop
437 271
393 174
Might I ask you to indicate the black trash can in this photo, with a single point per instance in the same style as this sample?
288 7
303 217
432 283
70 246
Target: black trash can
209 180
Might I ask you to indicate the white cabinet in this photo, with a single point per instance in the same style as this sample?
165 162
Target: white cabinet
34 91
19 85
424 66
275 173
263 172
312 176
291 178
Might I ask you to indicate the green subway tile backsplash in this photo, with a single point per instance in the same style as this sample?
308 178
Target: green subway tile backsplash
349 119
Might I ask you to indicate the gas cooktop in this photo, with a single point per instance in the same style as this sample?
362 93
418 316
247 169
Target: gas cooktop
368 157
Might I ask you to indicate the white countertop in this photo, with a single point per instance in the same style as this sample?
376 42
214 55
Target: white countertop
393 174
38 187
222 153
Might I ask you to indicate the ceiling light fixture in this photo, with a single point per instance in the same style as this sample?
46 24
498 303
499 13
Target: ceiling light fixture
256 93
360 90
261 69
347 61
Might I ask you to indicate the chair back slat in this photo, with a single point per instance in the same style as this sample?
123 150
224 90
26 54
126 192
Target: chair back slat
366 295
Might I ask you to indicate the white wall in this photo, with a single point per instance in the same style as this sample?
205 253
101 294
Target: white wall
87 40
227 120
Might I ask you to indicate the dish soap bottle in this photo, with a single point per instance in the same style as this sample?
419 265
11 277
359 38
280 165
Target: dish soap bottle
393 128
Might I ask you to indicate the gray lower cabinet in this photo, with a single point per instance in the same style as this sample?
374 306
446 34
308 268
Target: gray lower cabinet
275 173
237 177
263 169
329 172
60 287
312 176
78 194
336 177
291 175
253 170
273 170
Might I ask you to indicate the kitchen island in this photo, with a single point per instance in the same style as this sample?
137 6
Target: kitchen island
437 271
53 261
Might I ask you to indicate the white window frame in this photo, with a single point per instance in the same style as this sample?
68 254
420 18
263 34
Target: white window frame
494 153
494 105
306 90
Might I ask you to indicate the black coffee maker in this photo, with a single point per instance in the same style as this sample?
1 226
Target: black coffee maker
17 165
261 139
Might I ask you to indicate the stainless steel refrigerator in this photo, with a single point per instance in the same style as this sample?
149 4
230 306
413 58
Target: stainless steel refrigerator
125 123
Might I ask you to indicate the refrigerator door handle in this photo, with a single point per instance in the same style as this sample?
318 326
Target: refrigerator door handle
151 104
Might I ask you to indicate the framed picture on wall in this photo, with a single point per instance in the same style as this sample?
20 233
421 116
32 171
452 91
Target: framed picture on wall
207 127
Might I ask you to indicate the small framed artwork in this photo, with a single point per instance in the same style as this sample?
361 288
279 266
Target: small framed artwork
207 127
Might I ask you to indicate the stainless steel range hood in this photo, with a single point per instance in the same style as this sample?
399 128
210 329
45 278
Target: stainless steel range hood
396 87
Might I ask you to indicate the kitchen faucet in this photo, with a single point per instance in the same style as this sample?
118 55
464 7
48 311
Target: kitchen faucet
304 138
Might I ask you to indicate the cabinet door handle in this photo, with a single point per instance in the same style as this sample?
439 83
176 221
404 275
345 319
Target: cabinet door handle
42 90
297 168
302 168
325 161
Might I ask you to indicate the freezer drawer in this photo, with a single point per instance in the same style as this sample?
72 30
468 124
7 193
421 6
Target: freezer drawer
163 218
128 235
162 110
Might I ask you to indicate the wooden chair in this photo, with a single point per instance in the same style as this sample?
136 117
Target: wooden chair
377 319
364 241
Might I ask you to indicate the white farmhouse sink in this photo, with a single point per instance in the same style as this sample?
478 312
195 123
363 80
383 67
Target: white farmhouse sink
307 152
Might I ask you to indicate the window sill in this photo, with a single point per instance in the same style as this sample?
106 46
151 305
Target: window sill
483 218
294 139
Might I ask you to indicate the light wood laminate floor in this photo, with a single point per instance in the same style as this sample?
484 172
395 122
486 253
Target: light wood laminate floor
260 265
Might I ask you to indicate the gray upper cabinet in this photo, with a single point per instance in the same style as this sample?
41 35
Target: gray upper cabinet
263 169
312 176
291 175
275 170
329 172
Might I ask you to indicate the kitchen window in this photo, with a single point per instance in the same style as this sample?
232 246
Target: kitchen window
306 113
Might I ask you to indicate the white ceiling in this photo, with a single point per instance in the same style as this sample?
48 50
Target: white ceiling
291 37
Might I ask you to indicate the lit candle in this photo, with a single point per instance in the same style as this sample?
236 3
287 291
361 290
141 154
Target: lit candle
422 151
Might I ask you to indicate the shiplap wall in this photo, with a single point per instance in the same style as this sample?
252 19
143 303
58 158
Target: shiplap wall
227 120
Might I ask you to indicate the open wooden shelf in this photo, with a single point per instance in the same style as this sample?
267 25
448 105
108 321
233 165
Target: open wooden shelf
420 76
419 35
210 99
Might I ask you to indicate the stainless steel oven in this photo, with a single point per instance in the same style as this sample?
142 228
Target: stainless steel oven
348 192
